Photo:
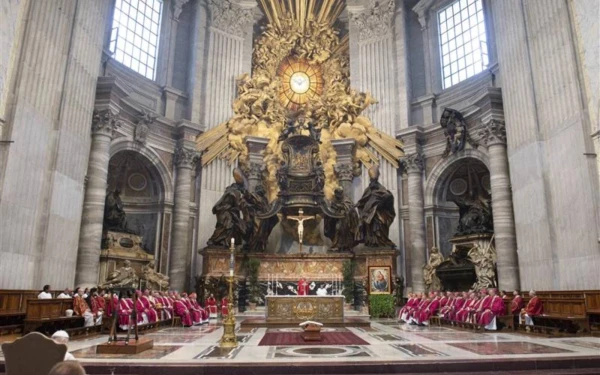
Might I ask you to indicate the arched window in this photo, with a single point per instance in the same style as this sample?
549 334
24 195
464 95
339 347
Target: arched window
135 34
463 42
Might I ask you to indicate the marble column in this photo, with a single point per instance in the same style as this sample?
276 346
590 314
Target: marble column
179 267
104 124
413 166
494 136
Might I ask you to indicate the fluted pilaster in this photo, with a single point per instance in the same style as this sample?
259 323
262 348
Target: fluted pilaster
494 136
229 27
104 124
413 166
372 66
179 267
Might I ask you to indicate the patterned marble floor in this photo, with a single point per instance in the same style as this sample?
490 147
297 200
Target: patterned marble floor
386 340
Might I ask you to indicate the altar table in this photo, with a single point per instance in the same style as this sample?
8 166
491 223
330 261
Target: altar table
297 309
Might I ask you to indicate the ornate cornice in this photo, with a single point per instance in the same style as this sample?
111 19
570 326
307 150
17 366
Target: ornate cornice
229 17
176 7
344 172
413 163
105 122
185 157
376 22
493 133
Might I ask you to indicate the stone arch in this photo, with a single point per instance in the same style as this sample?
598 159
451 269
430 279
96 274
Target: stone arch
162 170
146 190
442 170
441 214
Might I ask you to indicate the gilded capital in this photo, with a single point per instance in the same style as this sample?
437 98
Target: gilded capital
375 22
105 122
493 133
229 17
185 157
413 163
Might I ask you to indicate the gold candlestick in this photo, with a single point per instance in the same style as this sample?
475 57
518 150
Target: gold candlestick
229 340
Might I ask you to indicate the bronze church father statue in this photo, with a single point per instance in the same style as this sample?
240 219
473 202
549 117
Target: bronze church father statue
376 213
232 212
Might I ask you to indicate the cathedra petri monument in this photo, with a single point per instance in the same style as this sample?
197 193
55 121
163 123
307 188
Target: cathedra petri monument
299 144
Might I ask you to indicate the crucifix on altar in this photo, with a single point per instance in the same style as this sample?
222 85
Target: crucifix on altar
300 218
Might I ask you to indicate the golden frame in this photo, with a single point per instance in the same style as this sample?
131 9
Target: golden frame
377 287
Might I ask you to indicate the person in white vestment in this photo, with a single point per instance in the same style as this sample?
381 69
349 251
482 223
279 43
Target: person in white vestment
322 291
45 294
62 337
66 294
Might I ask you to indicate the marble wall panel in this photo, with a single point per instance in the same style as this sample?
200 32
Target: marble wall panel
587 28
42 189
11 27
554 199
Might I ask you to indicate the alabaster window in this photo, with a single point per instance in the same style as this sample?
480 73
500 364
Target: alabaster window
463 42
135 34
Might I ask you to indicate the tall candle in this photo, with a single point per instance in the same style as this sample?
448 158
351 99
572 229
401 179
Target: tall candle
232 258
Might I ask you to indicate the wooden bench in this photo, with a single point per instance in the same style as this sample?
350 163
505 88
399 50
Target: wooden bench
13 306
49 315
508 320
592 309
563 313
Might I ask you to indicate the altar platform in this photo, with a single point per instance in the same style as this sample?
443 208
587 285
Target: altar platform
297 309
289 311
260 322
385 347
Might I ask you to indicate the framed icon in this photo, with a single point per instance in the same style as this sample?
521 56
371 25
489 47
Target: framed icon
379 280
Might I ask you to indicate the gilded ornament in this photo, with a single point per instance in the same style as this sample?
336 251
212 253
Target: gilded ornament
300 67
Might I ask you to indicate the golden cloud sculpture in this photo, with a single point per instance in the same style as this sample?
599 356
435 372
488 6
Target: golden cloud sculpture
300 67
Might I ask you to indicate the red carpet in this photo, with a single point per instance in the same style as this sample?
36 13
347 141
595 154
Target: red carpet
294 338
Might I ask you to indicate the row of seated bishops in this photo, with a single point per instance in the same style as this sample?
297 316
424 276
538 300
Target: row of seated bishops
479 308
150 306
